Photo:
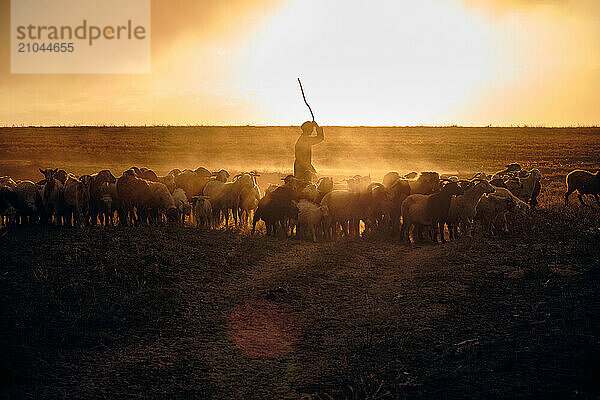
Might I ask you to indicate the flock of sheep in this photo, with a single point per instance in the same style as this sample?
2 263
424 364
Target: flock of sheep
425 203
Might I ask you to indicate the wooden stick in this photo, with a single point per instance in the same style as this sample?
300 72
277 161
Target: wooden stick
306 102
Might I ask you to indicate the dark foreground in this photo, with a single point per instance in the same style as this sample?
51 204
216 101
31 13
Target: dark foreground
180 313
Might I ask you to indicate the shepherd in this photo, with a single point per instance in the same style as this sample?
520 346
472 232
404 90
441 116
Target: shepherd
303 168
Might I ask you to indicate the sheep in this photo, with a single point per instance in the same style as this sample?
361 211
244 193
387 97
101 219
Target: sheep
53 195
175 172
462 207
428 210
390 178
191 183
449 178
109 200
202 212
29 201
276 208
310 218
225 197
147 174
133 194
181 203
169 181
482 176
7 181
221 175
527 187
160 202
9 202
519 207
378 205
76 199
427 183
270 188
498 182
202 172
324 186
249 198
344 209
508 171
96 203
583 182
358 183
310 192
490 208
397 192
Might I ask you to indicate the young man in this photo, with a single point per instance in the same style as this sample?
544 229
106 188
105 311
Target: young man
303 168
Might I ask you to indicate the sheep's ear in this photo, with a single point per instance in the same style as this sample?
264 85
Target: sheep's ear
42 171
56 170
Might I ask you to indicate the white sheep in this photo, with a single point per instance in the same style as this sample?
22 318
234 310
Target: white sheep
462 208
181 203
225 197
249 198
489 210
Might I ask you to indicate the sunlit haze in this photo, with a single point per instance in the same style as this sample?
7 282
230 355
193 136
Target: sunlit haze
384 62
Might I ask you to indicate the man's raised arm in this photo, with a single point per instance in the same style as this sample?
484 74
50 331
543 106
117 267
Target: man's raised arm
320 137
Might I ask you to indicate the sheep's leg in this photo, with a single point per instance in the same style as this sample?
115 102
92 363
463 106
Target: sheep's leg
581 199
441 226
313 233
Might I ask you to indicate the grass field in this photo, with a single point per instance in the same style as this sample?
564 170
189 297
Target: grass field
174 312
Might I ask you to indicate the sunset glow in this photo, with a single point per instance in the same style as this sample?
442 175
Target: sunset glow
388 62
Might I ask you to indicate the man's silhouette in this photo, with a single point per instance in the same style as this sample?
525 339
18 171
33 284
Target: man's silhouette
303 168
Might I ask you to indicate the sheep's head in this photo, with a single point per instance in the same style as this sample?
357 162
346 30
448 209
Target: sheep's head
400 188
430 180
222 175
245 180
48 173
292 182
453 188
325 185
484 185
411 175
174 172
390 178
86 180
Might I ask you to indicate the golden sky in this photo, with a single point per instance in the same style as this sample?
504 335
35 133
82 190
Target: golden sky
379 62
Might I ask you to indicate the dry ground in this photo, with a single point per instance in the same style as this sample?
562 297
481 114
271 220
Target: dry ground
175 312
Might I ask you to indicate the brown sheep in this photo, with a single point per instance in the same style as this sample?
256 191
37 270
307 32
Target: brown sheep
134 194
159 203
53 195
191 183
583 182
426 183
96 203
77 197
